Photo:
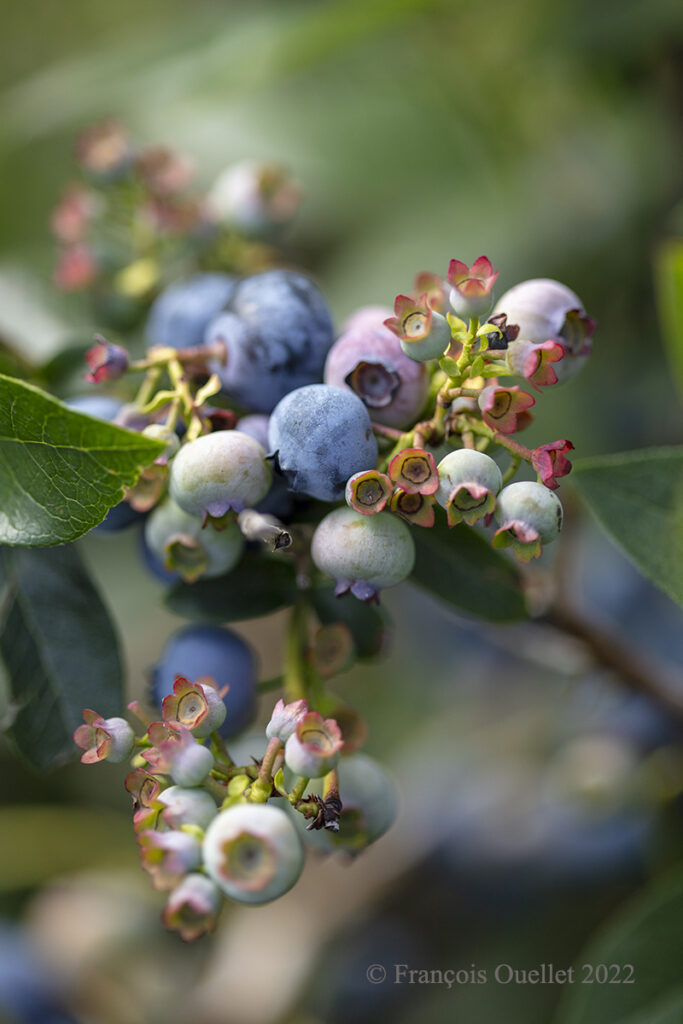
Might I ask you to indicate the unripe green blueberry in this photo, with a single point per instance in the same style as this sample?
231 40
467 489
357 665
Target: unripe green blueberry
313 749
160 432
220 471
187 806
468 483
529 515
253 852
364 554
177 539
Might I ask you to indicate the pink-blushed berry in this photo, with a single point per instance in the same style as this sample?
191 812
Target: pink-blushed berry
106 361
471 287
197 706
533 360
313 748
186 761
109 739
369 360
468 484
414 471
547 310
220 471
104 150
253 852
285 718
187 806
423 333
529 515
416 509
193 907
168 856
368 492
366 316
177 539
76 269
73 214
364 554
549 461
506 409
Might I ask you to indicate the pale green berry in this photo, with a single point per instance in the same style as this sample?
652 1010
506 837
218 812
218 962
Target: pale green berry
468 484
220 471
178 540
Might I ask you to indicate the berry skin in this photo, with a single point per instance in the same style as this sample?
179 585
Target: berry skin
253 198
187 806
177 540
214 651
312 750
546 310
369 360
529 515
468 484
253 852
277 331
364 554
321 435
217 472
181 313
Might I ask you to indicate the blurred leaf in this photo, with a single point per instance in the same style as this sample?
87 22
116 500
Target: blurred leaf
458 566
13 363
60 651
60 471
669 286
40 842
638 498
367 623
258 586
63 373
648 934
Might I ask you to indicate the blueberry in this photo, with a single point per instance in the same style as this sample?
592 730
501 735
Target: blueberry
28 992
529 515
321 435
220 471
210 651
105 407
277 330
179 542
253 852
181 313
369 360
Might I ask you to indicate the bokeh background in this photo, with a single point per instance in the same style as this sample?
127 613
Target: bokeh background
537 793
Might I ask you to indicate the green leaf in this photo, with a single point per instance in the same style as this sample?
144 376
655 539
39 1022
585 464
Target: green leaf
367 623
60 471
638 499
669 288
648 934
458 566
60 651
449 366
258 586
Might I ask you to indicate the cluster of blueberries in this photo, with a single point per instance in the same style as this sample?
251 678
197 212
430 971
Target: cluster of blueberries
389 420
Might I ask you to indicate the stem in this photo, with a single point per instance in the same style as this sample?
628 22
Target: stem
511 470
390 432
265 772
298 790
220 751
295 681
635 669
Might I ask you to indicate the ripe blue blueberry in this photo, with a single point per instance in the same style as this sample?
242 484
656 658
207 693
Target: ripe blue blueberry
277 331
181 313
369 360
320 436
215 651
253 852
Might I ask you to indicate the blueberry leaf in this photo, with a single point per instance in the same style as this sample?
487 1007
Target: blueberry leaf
459 566
648 935
638 498
60 471
257 586
59 649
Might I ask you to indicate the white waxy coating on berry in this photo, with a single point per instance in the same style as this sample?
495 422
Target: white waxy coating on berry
376 549
466 466
468 306
253 852
191 765
539 307
220 549
532 504
434 345
187 806
227 468
122 739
